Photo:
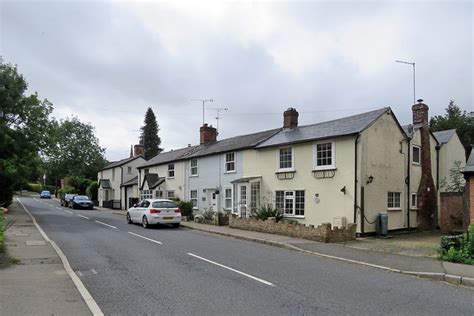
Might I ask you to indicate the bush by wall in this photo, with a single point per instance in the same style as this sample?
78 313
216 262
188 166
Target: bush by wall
92 190
186 208
34 187
459 248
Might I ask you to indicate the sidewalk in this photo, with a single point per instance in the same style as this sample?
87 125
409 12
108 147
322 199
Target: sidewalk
419 266
39 284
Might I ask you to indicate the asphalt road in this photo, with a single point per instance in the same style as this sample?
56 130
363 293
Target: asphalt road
131 270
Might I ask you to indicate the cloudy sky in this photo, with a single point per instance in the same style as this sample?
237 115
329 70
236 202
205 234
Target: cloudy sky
106 62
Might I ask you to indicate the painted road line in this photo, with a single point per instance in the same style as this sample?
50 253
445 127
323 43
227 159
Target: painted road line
68 211
91 303
105 224
82 216
149 239
233 270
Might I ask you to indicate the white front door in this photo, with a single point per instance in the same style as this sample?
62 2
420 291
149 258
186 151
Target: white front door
242 198
211 200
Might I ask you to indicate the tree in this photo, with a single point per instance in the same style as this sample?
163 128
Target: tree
149 136
75 150
455 182
24 131
462 121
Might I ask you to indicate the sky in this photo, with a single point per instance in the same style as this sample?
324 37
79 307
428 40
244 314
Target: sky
106 62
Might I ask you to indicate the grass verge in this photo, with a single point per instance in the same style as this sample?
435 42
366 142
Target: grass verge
5 260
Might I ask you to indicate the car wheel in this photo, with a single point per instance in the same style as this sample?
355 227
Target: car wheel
176 225
129 219
145 222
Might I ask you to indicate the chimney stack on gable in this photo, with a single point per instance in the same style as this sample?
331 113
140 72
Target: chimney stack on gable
138 150
208 134
290 118
420 113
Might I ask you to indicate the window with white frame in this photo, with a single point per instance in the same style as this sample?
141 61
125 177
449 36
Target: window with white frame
254 196
291 202
129 170
416 155
194 197
146 194
170 194
414 201
228 199
171 170
158 194
325 155
285 158
194 167
230 162
394 200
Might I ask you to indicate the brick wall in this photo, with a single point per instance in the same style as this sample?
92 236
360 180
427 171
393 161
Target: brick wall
322 233
470 192
451 212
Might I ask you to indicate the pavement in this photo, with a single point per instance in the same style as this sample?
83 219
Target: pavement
43 266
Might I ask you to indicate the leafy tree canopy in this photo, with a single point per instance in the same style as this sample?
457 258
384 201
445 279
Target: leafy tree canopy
75 150
149 136
457 119
24 131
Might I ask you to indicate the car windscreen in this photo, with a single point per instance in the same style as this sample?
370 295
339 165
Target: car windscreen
164 204
45 192
81 197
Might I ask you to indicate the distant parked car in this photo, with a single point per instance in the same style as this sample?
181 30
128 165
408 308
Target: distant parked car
81 201
66 200
45 194
154 211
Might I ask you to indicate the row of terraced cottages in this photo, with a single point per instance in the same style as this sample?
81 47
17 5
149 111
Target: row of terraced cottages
340 171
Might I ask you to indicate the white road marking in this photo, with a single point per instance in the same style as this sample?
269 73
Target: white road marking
68 211
82 216
102 223
149 239
91 303
80 273
93 271
233 270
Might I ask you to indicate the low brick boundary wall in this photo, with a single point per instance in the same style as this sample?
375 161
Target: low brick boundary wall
322 233
451 212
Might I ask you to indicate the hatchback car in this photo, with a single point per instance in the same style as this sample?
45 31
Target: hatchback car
154 211
81 201
45 194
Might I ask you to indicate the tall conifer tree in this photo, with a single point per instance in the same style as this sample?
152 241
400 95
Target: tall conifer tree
149 137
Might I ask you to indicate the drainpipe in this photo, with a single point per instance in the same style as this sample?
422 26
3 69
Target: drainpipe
355 177
121 182
438 147
408 182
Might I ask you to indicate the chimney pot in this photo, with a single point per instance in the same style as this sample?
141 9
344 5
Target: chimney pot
420 113
138 150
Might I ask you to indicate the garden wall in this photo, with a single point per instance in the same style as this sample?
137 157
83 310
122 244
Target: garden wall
451 212
322 233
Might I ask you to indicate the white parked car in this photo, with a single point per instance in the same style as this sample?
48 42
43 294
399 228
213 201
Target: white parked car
154 211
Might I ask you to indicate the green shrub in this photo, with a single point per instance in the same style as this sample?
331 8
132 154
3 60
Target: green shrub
92 190
80 183
266 211
6 190
34 187
209 215
186 208
458 249
65 190
51 188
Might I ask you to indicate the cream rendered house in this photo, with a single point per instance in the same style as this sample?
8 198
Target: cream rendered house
112 192
450 150
340 171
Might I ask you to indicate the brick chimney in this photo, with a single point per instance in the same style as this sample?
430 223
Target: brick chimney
420 113
138 150
208 134
290 118
427 215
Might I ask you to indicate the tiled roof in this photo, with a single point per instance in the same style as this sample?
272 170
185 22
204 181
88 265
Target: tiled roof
221 146
153 180
131 182
470 163
340 127
119 163
444 136
105 184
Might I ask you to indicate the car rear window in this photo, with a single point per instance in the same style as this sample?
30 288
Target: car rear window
164 204
81 197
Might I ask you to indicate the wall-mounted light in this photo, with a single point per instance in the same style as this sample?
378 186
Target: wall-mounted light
370 179
343 190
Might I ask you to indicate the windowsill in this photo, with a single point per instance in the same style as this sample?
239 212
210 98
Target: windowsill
168 178
285 170
326 168
232 171
294 216
416 163
194 176
394 209
414 209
